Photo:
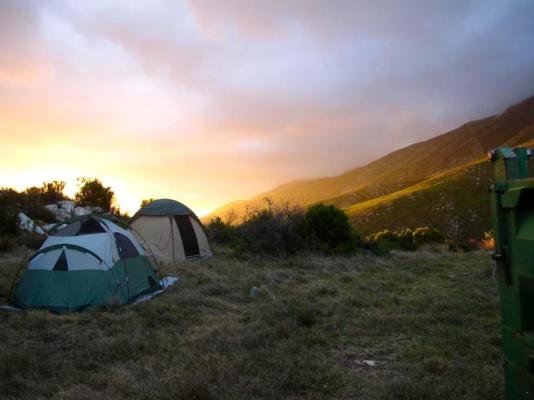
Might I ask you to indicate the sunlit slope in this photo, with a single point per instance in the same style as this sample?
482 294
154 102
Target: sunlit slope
405 167
456 202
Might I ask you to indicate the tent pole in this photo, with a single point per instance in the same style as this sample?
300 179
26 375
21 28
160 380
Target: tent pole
172 237
16 278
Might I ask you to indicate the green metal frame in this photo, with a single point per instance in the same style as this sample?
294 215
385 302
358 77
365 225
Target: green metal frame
512 203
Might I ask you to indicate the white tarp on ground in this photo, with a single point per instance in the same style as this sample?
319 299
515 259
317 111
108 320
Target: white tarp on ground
166 282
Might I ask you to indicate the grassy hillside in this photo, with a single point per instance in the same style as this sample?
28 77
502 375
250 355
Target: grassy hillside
428 321
406 166
455 202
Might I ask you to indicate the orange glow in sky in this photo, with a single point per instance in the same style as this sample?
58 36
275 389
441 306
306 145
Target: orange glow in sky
207 102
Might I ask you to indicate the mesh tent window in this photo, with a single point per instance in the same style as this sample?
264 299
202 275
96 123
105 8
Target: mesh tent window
125 246
78 228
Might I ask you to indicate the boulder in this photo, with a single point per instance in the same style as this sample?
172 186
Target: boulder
81 211
67 205
63 215
53 208
25 223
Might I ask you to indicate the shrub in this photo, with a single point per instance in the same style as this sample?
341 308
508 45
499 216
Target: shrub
9 197
406 239
276 231
52 192
48 192
6 243
427 235
93 193
39 213
383 242
146 202
9 222
220 232
280 230
329 228
123 216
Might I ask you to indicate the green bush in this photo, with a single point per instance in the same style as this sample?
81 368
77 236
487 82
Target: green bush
280 230
47 193
328 227
276 231
9 222
39 213
221 232
406 239
53 192
427 235
146 202
93 193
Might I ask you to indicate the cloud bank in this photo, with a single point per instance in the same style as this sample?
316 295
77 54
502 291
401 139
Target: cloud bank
210 101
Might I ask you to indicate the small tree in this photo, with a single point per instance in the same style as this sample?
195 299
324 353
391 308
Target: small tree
275 231
52 192
48 192
329 227
9 222
93 193
220 232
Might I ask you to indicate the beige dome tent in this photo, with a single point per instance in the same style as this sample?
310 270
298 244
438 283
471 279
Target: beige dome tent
171 231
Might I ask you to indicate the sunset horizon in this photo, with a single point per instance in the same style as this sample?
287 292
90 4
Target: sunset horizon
209 104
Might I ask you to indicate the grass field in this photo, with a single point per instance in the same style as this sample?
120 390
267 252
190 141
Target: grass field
429 321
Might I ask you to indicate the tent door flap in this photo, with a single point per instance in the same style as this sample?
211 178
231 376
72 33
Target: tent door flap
189 237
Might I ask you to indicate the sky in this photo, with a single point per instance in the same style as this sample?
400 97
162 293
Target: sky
208 102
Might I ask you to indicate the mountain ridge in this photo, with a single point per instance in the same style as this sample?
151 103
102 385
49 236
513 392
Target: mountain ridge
404 167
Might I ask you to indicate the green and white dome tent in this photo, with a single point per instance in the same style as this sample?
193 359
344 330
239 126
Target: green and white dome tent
171 231
87 261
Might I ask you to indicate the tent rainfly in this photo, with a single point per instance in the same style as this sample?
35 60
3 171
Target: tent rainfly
87 261
171 231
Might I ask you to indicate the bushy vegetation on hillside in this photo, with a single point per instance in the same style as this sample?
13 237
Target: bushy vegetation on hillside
406 239
455 202
281 230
